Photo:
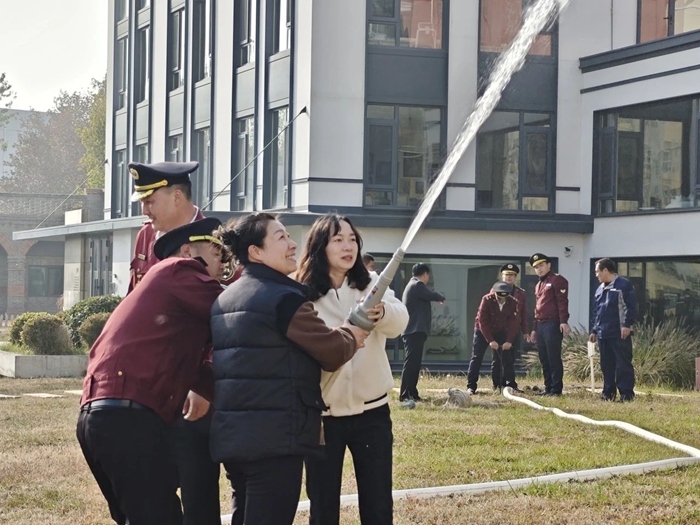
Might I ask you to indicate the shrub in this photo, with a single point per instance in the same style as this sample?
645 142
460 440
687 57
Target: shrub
663 355
92 327
76 316
17 326
45 334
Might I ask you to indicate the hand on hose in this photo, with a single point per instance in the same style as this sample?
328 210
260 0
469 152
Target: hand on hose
359 334
507 346
494 345
377 313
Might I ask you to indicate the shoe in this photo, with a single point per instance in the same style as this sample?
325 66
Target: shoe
516 389
626 399
553 394
419 399
603 397
409 404
471 391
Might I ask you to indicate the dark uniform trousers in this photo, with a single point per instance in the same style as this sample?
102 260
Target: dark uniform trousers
197 473
479 347
127 452
370 440
413 344
616 364
549 339
265 492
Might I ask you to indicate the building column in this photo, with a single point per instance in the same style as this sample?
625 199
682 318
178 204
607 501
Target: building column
16 284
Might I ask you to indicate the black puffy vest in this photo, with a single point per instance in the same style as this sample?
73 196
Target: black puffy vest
267 397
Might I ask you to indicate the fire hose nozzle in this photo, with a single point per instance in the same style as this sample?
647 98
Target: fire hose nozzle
358 315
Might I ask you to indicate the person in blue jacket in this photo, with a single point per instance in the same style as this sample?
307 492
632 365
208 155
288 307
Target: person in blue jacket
614 313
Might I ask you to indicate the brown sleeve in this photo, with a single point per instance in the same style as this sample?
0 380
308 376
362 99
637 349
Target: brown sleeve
204 383
331 347
513 321
483 319
561 296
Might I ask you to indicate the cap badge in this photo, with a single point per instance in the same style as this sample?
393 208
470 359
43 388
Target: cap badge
134 173
535 257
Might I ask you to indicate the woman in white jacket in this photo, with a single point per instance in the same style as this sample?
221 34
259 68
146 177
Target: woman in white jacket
358 415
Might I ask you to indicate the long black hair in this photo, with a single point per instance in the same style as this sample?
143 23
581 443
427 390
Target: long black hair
314 270
244 232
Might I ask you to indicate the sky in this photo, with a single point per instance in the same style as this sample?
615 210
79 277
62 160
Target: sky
51 45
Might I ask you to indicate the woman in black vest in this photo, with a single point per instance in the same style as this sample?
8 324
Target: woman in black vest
269 349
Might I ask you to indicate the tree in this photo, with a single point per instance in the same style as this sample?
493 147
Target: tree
7 96
50 155
93 137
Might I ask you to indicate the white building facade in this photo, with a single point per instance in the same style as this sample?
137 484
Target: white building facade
592 152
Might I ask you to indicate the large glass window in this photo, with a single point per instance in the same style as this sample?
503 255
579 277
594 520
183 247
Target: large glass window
282 29
143 66
121 184
404 149
176 49
662 18
643 157
121 72
500 22
45 281
278 180
203 38
514 162
406 23
666 289
246 30
244 185
201 179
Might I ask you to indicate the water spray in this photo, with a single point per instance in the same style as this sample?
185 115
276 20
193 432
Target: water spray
511 61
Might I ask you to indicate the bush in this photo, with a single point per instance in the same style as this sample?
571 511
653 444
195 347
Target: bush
92 327
663 355
17 326
76 316
45 334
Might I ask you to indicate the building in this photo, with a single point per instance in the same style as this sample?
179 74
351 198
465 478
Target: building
592 152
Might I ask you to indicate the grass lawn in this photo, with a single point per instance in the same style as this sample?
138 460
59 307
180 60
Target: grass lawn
43 477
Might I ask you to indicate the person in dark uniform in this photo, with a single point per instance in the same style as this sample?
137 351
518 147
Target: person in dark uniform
417 297
165 192
509 274
551 322
497 322
154 348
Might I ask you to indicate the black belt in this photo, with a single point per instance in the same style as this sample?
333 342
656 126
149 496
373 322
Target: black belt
111 403
547 320
375 400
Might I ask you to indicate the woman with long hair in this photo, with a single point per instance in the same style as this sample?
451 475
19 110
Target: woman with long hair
358 416
269 348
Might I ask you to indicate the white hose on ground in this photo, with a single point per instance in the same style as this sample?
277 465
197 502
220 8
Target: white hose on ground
582 475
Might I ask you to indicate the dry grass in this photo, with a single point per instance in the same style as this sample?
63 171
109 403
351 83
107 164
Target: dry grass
43 478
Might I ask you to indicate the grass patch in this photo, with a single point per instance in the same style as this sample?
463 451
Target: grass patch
44 479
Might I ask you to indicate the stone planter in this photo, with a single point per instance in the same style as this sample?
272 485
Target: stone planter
29 366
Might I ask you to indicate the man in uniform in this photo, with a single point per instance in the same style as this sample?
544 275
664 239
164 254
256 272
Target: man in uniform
165 192
509 274
551 322
497 322
154 348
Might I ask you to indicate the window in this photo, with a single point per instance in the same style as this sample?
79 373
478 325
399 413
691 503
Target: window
174 153
203 39
201 179
662 18
45 281
121 10
277 186
282 29
246 30
176 49
643 157
143 4
403 152
143 67
666 289
500 22
406 23
244 185
122 186
121 72
514 162
141 154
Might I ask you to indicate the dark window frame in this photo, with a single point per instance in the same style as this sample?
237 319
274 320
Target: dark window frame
245 32
203 45
47 270
121 84
277 25
396 21
270 174
524 130
394 124
143 69
202 193
176 49
671 17
121 184
242 138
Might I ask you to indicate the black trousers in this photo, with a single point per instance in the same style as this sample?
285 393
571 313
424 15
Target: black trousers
197 473
479 347
128 454
413 344
549 339
370 440
265 492
616 363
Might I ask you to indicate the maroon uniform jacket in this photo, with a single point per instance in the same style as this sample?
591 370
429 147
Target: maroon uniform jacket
519 294
552 299
155 345
144 258
491 319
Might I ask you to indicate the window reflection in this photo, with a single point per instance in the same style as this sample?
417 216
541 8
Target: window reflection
417 24
500 22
